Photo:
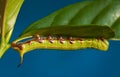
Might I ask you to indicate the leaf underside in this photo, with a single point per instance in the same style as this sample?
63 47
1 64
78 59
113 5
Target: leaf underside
80 14
9 10
8 13
77 31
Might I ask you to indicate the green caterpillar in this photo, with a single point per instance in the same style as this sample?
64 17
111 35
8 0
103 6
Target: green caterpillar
60 43
67 38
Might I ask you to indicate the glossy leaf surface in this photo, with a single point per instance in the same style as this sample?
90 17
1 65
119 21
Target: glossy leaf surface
88 31
8 13
98 12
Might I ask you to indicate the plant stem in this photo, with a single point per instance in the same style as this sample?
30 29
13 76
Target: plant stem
3 48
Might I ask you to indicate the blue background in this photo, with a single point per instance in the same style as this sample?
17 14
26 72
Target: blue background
56 63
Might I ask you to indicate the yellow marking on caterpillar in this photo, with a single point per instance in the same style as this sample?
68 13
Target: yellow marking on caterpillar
60 44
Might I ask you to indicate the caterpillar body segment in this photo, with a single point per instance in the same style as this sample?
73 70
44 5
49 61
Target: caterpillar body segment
59 43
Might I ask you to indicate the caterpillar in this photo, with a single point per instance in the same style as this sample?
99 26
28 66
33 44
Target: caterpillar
38 42
61 43
72 38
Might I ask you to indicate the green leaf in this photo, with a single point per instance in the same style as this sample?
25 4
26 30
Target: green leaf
85 31
9 10
98 12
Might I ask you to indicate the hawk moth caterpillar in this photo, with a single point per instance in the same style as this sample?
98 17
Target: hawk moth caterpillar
61 39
